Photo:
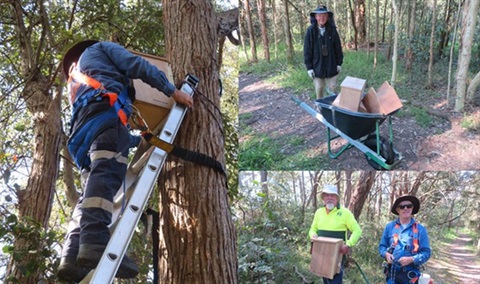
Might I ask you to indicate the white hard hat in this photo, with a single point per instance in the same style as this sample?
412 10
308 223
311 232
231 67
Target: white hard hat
330 189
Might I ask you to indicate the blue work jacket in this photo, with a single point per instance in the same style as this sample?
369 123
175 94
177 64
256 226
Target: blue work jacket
405 246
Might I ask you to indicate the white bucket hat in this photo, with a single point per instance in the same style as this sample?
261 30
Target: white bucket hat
330 189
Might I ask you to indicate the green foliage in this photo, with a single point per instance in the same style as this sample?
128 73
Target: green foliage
229 106
260 152
39 256
471 123
421 116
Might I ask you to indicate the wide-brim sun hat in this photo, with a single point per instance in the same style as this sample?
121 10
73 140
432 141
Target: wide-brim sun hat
330 189
321 10
73 54
411 198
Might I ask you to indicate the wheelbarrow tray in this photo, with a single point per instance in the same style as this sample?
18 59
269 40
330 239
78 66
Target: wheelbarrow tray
354 124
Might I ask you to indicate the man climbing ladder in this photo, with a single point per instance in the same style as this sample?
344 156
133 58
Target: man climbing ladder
99 75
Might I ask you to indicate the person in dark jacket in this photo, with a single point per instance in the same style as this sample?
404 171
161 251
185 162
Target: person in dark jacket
322 51
100 75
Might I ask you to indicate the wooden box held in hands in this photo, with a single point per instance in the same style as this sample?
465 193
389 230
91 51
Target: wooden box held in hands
153 105
326 257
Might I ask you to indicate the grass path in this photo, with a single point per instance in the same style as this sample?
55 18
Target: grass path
456 262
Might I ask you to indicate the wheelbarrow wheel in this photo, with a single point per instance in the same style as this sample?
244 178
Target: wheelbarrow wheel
386 150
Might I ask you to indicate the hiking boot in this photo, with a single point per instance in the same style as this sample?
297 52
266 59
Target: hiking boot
69 271
89 256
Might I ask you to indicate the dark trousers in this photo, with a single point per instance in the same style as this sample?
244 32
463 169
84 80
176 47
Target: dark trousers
93 212
337 278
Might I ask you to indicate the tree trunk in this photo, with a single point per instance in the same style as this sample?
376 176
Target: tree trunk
470 11
263 181
354 25
360 21
197 235
472 88
263 26
35 201
377 25
432 40
243 35
360 193
275 30
288 34
411 34
251 33
396 11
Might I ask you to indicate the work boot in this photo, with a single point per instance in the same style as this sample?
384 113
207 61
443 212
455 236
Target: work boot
89 256
69 271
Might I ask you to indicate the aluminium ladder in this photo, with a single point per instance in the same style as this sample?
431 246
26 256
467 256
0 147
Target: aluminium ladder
139 182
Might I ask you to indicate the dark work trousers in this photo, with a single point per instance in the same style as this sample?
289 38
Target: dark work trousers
93 212
337 278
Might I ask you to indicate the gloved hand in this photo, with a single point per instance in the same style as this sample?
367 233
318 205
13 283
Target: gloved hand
345 249
339 68
311 74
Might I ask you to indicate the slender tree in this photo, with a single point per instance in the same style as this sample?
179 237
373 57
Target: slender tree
263 26
287 32
469 21
251 33
432 41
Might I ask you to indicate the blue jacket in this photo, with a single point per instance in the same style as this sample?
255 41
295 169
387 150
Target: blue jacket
405 242
113 66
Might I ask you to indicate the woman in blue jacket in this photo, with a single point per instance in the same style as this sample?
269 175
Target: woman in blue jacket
404 244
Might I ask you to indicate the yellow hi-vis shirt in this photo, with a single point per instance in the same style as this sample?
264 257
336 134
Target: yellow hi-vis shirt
335 224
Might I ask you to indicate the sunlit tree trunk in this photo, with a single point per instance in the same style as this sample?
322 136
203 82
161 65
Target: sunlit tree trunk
197 235
470 12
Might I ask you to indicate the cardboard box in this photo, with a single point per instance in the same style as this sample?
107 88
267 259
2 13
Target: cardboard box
351 91
153 105
326 258
384 101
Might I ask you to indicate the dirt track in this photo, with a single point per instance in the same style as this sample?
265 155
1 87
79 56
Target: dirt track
445 146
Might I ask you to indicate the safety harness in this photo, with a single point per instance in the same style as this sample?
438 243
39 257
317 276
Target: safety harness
121 107
396 233
83 136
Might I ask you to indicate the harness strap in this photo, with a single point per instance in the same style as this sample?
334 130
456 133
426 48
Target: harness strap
120 103
416 245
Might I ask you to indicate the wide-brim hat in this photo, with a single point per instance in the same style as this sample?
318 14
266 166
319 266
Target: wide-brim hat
330 189
73 54
321 10
411 198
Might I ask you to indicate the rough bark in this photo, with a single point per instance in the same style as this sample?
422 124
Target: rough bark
35 201
197 235
360 193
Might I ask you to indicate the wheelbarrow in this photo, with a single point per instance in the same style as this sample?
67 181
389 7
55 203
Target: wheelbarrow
360 130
